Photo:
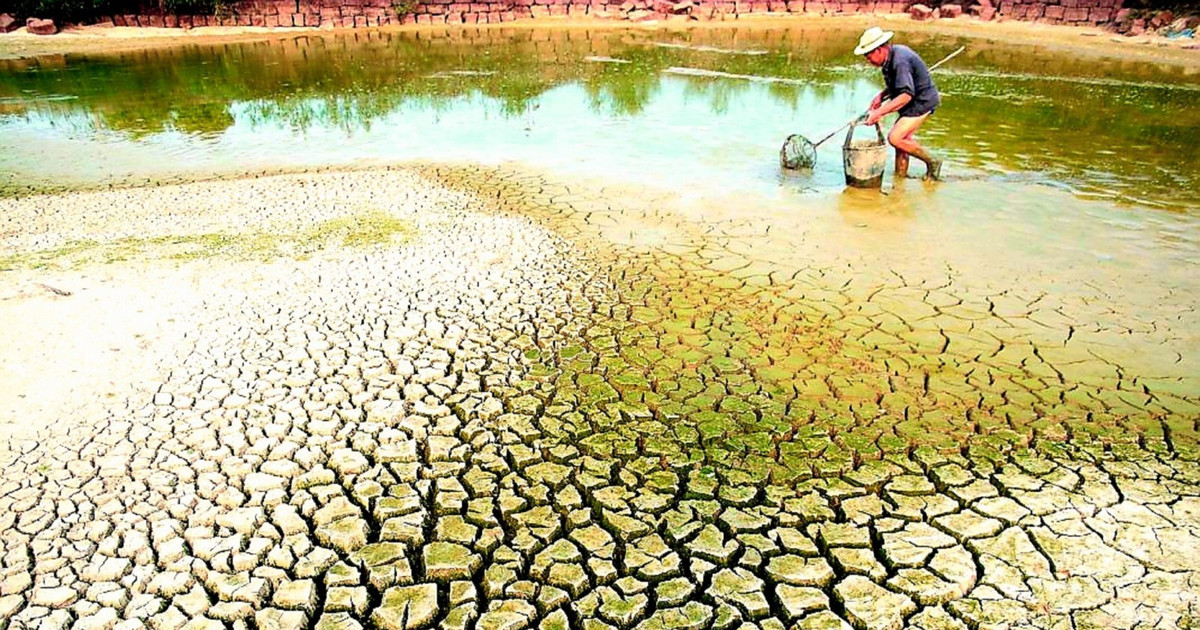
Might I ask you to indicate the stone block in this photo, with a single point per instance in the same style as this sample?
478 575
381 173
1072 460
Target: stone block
40 27
1075 14
951 10
8 23
920 12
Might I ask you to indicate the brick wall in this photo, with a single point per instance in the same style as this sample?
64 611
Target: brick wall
364 13
1078 12
367 13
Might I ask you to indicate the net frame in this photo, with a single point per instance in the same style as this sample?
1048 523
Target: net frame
797 153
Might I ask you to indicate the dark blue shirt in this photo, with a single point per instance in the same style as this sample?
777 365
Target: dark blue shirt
905 72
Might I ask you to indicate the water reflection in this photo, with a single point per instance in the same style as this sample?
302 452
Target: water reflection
633 101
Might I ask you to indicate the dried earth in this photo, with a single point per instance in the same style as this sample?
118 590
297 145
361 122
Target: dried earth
471 398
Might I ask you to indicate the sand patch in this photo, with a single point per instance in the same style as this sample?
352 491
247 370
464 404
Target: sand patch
66 353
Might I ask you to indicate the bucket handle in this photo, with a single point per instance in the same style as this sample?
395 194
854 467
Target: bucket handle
850 133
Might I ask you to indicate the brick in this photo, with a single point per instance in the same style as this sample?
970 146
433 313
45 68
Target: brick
920 12
39 26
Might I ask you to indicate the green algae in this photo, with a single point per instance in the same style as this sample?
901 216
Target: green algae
47 258
362 230
732 387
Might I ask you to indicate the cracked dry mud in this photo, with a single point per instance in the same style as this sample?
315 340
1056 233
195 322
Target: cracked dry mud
509 421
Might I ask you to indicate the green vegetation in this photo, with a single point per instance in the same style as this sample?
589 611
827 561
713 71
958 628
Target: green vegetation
89 10
404 7
359 230
1180 7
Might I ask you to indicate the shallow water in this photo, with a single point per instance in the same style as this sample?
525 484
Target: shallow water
698 107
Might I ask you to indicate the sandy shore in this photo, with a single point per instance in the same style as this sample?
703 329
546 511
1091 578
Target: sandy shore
1083 40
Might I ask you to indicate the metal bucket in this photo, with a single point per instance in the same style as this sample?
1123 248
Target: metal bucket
864 159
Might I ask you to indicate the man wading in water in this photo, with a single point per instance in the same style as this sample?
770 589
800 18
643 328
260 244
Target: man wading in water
909 92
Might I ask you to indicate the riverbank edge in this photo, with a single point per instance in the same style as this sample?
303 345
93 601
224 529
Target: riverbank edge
1091 41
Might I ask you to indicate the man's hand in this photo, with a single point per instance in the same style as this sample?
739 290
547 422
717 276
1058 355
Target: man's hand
874 116
877 101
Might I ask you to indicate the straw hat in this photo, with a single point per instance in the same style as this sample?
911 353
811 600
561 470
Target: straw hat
871 39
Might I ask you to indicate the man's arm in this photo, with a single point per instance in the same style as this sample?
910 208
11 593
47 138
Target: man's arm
883 109
904 87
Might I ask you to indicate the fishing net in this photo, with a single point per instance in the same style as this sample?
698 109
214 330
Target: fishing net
797 152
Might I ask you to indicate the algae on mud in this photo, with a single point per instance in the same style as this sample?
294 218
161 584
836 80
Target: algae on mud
761 387
364 229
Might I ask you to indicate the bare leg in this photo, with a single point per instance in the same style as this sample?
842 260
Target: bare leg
901 163
902 137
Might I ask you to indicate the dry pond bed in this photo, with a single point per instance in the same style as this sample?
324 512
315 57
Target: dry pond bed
463 397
